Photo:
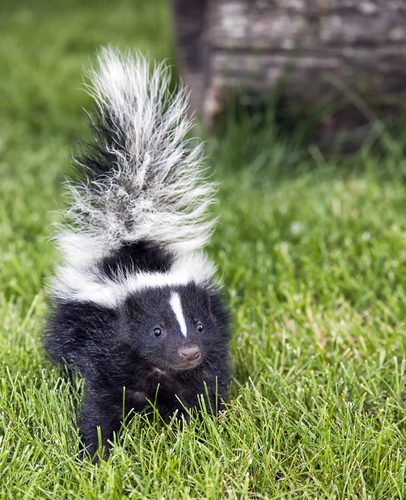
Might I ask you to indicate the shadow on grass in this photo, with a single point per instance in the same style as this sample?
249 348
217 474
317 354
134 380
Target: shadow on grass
281 138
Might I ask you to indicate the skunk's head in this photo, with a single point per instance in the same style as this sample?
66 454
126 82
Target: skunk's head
171 328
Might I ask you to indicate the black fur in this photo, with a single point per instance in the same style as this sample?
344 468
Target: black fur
116 348
141 255
99 158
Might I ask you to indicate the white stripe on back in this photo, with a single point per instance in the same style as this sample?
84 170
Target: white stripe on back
88 284
177 309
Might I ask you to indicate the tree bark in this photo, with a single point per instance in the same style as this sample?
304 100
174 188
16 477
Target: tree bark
308 48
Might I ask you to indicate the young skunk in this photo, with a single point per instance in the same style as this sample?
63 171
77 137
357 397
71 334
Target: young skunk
136 308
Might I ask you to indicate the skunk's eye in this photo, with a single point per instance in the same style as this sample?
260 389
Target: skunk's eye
157 331
199 327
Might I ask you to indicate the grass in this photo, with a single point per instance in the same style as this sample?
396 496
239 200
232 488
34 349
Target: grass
313 255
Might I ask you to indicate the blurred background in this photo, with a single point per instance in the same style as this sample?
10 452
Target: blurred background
330 71
340 63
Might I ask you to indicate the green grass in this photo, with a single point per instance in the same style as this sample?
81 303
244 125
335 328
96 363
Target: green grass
313 254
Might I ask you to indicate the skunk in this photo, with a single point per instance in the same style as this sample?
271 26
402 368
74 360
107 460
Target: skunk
136 308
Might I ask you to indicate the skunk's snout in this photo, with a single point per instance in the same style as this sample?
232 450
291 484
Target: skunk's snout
191 353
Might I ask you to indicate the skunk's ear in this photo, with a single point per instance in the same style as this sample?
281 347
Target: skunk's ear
131 309
208 303
130 317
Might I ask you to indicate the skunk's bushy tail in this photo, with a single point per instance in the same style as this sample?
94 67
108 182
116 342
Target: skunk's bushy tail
144 178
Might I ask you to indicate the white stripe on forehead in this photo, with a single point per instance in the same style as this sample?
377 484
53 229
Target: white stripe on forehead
177 309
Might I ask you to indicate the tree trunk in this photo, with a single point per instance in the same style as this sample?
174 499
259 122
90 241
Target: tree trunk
307 48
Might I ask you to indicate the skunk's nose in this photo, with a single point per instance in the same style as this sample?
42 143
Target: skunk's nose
189 353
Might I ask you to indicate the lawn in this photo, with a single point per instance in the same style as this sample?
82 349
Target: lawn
312 249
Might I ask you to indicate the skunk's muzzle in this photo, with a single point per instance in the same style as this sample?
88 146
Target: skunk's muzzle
190 353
